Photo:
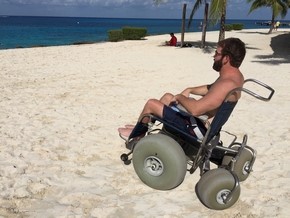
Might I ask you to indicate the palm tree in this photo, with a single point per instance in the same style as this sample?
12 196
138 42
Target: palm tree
205 17
217 12
278 7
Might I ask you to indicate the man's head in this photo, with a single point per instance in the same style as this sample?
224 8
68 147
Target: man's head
171 34
233 48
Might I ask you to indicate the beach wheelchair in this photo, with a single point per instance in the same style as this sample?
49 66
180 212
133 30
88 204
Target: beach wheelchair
165 154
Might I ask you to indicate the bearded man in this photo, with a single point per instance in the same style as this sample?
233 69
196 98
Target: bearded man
228 57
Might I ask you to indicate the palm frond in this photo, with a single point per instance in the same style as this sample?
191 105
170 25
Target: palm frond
215 11
258 4
278 7
196 6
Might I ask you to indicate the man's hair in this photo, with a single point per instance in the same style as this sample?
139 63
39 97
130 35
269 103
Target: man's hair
235 49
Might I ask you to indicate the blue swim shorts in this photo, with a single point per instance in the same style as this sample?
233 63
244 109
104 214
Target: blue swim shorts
183 121
173 117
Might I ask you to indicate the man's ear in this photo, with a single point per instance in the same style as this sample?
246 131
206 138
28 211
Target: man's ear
226 59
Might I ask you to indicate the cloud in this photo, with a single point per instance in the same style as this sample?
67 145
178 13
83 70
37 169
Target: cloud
80 2
93 2
120 8
93 8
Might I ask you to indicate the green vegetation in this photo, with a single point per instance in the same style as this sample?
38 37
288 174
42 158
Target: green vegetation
127 33
115 35
134 33
238 26
234 26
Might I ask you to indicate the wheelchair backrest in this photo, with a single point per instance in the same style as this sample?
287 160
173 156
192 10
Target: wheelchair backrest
221 118
227 108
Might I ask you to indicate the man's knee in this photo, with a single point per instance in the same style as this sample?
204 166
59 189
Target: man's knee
167 95
166 98
154 106
151 103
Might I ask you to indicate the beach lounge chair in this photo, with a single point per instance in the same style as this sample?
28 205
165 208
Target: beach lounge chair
162 158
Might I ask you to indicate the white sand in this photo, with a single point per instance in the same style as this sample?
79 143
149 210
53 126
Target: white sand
61 106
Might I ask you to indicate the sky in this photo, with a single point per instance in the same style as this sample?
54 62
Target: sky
170 9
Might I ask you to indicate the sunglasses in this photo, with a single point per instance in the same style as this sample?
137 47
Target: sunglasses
216 53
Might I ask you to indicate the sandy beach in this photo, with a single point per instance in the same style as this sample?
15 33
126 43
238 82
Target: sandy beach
61 106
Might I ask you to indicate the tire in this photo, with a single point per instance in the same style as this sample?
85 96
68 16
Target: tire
241 164
159 162
213 185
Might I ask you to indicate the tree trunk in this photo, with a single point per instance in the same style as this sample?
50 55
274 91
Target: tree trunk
183 25
204 25
223 21
272 23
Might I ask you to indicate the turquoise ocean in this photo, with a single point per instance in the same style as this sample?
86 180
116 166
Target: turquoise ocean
23 32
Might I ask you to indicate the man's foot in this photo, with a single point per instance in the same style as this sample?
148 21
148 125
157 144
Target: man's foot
129 126
125 132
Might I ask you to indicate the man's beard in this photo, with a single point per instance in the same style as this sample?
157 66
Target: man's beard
217 65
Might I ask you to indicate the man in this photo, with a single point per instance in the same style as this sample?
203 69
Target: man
277 24
228 57
173 40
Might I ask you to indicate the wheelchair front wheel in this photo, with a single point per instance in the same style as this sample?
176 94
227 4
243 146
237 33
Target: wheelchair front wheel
214 186
159 162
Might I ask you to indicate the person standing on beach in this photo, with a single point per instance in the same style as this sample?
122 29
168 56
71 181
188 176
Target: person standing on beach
277 24
228 57
172 41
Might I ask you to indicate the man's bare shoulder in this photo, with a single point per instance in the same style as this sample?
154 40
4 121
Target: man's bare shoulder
231 81
225 83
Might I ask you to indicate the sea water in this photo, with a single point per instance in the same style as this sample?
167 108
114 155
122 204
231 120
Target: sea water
21 32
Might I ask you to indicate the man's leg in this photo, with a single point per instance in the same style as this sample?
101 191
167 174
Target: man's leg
166 98
153 106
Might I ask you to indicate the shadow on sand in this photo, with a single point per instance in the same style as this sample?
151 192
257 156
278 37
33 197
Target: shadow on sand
280 45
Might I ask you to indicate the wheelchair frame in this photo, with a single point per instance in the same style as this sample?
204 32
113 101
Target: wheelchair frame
235 162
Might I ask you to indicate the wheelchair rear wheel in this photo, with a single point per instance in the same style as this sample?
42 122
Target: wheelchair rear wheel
242 164
214 186
159 161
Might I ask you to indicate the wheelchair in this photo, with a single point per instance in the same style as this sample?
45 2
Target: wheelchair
166 153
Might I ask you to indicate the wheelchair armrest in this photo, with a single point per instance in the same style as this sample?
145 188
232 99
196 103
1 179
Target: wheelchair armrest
180 107
203 118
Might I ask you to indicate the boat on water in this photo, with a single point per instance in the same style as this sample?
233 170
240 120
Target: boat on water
268 23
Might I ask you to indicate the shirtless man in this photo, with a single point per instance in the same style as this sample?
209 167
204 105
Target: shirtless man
228 57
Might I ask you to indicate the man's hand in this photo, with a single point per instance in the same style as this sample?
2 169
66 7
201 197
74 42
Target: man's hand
174 100
186 92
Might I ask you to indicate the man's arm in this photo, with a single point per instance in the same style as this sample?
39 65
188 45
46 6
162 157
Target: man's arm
199 90
210 101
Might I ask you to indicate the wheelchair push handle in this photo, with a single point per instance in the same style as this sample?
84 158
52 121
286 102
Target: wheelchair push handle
267 98
272 91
